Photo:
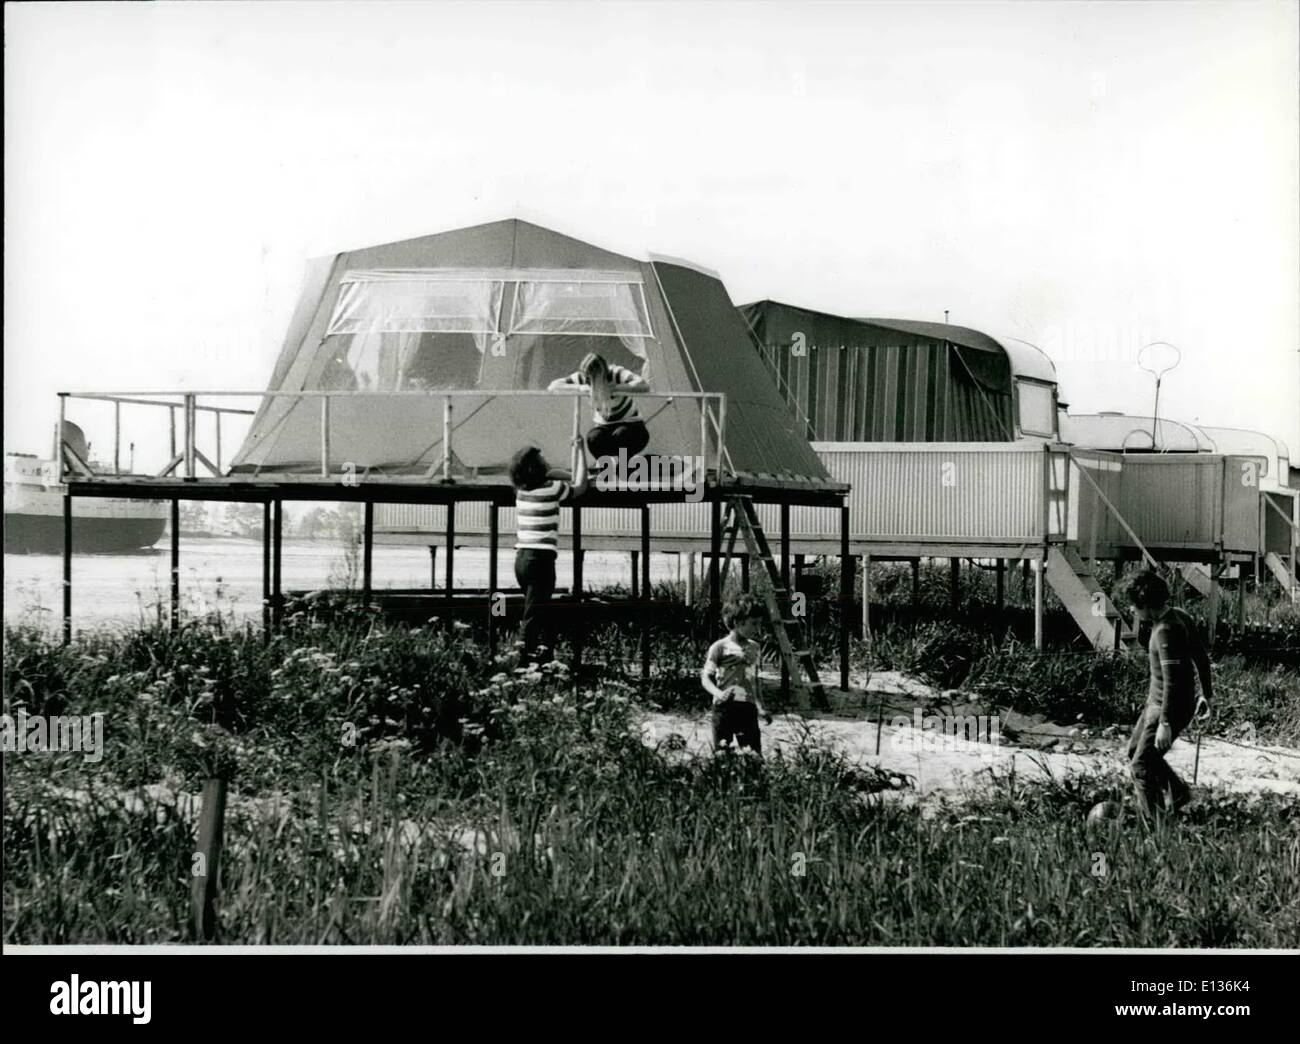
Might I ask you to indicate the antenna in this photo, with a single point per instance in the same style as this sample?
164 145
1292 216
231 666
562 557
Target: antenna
1158 367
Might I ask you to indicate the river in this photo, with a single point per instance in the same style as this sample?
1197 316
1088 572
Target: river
226 572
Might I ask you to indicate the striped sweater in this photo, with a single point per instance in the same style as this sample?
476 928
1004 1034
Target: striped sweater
537 515
615 409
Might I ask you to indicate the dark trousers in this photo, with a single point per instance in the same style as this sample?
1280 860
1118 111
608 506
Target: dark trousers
535 571
605 440
1154 782
736 720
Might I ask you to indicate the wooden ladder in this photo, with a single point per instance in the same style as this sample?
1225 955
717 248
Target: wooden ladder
791 634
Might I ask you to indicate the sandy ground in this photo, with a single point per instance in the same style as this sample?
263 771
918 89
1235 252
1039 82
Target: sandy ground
1031 747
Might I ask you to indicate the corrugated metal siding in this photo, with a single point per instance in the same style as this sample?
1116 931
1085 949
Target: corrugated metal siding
1171 500
1241 503
941 493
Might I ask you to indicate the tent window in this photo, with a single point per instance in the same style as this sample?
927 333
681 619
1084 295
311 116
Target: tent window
416 302
583 309
403 362
1036 408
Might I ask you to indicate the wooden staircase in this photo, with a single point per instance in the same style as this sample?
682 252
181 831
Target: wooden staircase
1076 585
791 633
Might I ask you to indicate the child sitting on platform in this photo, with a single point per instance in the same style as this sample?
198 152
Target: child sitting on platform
617 424
730 676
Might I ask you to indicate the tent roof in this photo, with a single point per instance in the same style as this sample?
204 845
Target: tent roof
697 342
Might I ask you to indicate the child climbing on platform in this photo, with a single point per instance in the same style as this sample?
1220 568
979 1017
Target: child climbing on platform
537 513
730 676
617 424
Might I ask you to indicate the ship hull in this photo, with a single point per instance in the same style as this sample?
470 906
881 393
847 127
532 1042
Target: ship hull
43 534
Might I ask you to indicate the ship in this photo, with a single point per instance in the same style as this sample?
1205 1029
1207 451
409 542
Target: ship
33 510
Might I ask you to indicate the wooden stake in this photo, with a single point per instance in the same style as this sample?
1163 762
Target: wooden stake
203 892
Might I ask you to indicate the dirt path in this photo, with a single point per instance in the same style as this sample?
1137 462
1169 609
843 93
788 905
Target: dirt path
950 763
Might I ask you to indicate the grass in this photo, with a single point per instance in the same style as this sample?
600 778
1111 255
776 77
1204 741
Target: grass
398 785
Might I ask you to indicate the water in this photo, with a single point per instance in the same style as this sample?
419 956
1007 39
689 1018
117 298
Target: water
109 591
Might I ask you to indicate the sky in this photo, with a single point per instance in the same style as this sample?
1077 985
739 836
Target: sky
1091 177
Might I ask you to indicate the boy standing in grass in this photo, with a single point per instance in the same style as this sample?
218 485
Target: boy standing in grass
1175 648
730 676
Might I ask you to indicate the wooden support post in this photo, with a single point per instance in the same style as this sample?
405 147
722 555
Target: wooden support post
645 586
494 544
1038 603
1024 577
433 567
450 582
67 567
266 568
1000 598
744 572
785 582
367 546
203 890
171 414
636 575
176 563
954 581
576 620
1241 597
218 416
846 595
916 583
277 561
690 578
117 438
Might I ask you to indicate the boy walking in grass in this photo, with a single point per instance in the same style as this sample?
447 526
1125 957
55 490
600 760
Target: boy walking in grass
1174 650
730 676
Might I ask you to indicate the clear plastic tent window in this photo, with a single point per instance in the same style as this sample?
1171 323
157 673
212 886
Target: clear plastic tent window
1037 411
599 308
417 302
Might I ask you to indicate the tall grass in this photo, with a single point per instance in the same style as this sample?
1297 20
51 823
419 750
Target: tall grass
486 801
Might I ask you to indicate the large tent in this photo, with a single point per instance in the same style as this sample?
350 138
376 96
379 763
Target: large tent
886 380
509 306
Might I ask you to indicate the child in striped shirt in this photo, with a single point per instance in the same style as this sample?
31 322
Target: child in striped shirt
537 525
730 676
617 424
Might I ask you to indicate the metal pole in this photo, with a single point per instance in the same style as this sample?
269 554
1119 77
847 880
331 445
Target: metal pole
636 575
704 431
67 563
690 578
577 588
715 560
117 438
916 583
446 447
1001 574
58 440
846 595
451 550
176 563
433 567
277 549
866 599
493 547
218 420
785 582
744 573
367 547
645 586
954 581
1038 603
189 435
324 436
266 567
171 418
722 427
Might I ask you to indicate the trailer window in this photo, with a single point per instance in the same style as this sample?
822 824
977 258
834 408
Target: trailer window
1036 408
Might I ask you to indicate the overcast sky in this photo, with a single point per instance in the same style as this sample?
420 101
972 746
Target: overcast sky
1090 176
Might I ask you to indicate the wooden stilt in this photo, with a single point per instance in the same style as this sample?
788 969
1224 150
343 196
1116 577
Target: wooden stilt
846 595
277 556
645 586
367 546
494 541
266 569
